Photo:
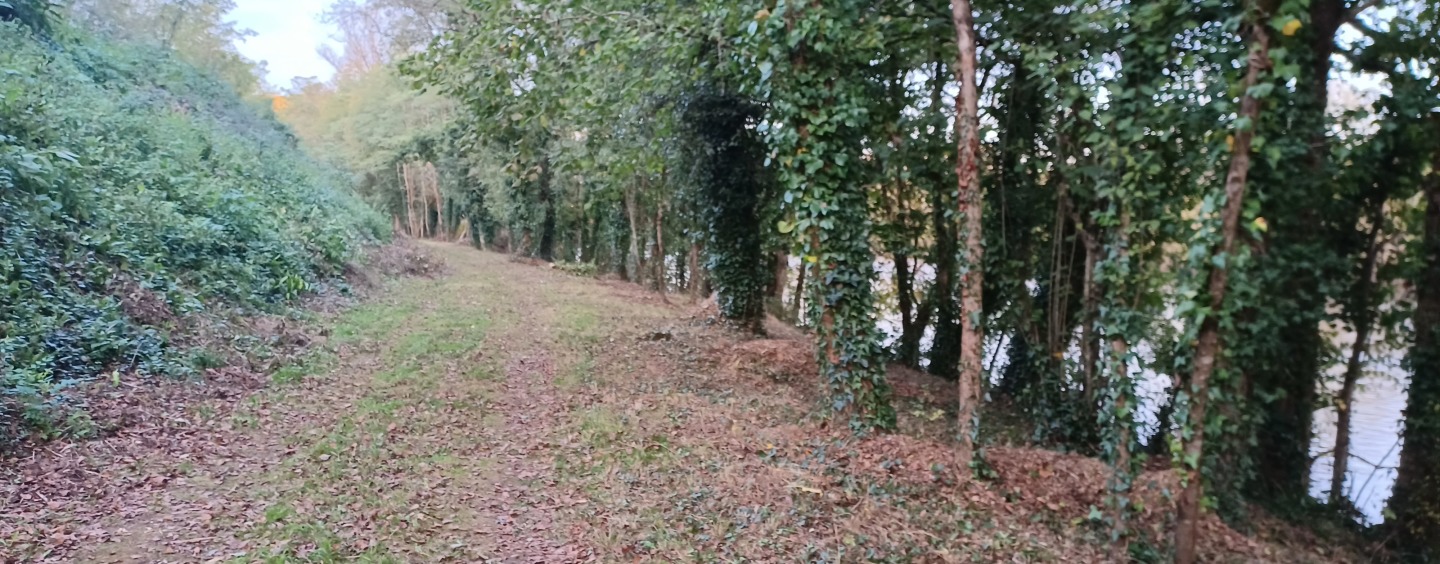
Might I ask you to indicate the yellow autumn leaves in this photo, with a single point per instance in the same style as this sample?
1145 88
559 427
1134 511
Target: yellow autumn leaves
1291 27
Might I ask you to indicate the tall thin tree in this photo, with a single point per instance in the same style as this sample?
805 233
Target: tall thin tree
1208 351
969 202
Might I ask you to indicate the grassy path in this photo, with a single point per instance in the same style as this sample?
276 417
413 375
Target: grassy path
505 412
420 433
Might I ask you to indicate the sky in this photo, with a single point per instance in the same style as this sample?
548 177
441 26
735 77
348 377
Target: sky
287 34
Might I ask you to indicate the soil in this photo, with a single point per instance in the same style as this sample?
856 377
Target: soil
498 411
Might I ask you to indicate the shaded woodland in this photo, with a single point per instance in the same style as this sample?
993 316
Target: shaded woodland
1054 204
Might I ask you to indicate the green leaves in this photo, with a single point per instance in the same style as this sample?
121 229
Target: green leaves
821 99
1261 90
126 215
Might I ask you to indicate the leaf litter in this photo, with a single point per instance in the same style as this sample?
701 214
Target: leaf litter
494 411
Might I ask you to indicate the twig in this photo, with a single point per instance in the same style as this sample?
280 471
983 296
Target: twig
1377 469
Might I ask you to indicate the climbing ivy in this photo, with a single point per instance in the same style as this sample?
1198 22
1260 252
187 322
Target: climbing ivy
732 186
808 57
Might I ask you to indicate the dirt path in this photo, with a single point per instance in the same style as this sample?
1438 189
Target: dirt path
506 412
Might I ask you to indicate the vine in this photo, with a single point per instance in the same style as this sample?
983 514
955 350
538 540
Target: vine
731 186
808 64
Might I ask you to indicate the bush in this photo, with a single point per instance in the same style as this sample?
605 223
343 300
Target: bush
134 188
581 269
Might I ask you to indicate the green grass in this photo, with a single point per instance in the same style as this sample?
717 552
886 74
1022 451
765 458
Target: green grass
316 362
372 321
376 457
577 373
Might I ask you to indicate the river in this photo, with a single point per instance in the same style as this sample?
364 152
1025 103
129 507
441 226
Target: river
1375 422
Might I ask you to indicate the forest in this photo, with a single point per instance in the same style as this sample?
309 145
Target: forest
1182 236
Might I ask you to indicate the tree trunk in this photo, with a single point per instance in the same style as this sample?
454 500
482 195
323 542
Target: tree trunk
403 175
908 351
1188 509
1120 548
799 294
587 247
779 280
826 323
1362 317
967 169
1118 378
943 348
633 259
1282 452
695 284
546 252
1416 501
657 254
780 274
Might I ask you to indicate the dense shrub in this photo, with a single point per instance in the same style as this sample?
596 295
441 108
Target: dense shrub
134 188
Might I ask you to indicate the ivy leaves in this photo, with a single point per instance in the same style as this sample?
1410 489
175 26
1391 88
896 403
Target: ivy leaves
811 60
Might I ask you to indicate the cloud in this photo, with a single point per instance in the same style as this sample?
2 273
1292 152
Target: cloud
287 34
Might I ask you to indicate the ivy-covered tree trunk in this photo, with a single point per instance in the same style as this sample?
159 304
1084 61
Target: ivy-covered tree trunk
1208 349
731 181
1090 316
1416 498
821 102
969 201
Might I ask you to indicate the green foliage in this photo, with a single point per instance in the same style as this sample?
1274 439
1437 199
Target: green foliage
732 185
810 60
135 189
582 269
35 14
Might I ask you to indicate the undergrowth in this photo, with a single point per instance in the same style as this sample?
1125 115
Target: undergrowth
137 192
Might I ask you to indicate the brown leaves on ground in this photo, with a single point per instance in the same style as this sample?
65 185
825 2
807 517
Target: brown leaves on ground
778 360
145 306
402 257
510 413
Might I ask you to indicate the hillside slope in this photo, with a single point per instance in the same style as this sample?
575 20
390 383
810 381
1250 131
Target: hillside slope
136 193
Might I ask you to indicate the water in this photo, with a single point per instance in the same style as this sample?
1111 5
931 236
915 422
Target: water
1374 424
1374 440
